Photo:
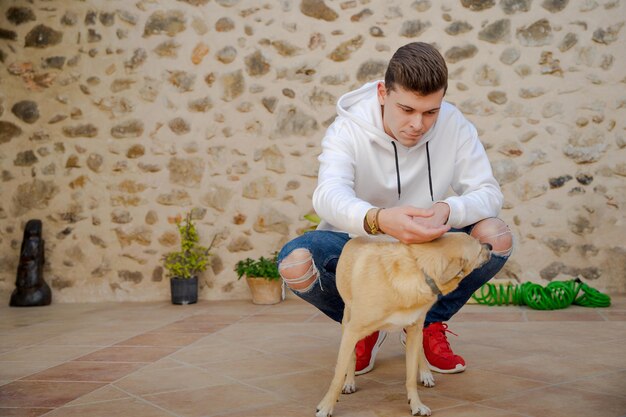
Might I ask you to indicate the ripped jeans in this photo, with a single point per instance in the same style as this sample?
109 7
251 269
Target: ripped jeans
325 247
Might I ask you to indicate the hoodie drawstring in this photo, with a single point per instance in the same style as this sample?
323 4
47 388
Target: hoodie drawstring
430 180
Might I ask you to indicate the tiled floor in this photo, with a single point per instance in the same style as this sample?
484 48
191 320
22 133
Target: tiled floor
237 359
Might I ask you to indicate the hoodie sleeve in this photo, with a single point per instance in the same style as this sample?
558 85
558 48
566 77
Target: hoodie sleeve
334 199
478 193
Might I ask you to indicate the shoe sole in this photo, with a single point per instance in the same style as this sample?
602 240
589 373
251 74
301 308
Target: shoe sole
375 349
457 370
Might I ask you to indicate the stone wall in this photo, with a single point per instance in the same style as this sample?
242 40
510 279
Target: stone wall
115 117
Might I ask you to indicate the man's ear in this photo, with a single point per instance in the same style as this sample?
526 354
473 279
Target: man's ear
381 92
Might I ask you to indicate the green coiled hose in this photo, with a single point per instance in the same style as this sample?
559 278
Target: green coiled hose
554 296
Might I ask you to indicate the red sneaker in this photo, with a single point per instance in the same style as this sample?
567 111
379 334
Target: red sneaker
438 352
366 350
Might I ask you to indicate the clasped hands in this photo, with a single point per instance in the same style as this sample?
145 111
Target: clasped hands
410 224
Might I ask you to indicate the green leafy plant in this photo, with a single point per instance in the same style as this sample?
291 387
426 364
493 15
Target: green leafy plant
261 268
314 219
192 258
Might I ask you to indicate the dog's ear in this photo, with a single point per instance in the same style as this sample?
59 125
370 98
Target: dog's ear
454 267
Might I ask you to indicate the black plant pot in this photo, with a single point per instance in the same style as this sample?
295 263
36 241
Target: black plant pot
184 290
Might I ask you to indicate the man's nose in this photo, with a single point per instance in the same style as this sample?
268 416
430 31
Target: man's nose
416 122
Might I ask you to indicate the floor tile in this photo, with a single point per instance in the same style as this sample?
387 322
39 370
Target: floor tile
223 351
613 383
146 381
46 353
23 411
86 371
212 400
561 402
162 339
43 394
127 407
128 354
106 393
17 370
258 367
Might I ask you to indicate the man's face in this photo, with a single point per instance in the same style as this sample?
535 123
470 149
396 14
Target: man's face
407 116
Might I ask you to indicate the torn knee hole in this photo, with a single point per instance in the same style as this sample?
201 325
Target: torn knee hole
498 236
298 270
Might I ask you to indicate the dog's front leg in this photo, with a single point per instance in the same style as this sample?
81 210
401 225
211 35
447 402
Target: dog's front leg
346 352
349 386
426 376
412 351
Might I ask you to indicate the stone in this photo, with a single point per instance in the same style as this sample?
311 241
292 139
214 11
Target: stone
486 75
201 105
150 90
537 34
413 28
459 53
26 110
557 182
345 49
93 36
94 162
523 70
169 239
376 32
182 80
169 23
224 24
218 197
498 97
8 131
107 18
294 122
286 49
135 151
25 159
584 178
239 244
179 126
458 27
363 14
478 5
130 276
132 128
80 131
33 195
10 35
608 35
554 6
552 271
127 16
269 103
186 171
168 48
496 32
19 15
233 84
226 55
505 171
42 36
511 149
121 84
318 9
557 245
274 159
55 62
568 42
580 225
270 219
179 198
531 92
371 70
121 216
509 56
141 235
526 191
259 188
138 59
256 64
549 65
515 6
551 109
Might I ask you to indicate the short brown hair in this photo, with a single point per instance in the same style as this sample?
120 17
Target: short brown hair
417 67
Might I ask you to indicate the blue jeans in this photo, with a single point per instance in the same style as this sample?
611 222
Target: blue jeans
326 246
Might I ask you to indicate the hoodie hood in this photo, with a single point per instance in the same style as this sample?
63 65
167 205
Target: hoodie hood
361 107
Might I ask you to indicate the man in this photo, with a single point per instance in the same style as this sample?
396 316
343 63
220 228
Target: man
388 163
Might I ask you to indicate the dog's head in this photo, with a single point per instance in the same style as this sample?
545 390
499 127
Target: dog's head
454 256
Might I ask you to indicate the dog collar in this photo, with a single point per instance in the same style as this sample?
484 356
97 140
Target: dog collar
431 284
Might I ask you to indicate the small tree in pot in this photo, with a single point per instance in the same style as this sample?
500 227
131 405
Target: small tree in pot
183 266
263 279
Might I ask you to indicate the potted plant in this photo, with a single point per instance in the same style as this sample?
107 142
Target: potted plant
183 266
263 279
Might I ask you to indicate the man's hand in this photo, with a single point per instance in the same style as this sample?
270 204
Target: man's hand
413 225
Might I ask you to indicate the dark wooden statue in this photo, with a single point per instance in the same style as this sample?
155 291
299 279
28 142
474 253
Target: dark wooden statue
31 289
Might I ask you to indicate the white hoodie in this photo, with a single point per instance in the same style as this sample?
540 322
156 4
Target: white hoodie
358 167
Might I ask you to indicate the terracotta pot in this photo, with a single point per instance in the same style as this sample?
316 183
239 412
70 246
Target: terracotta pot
265 291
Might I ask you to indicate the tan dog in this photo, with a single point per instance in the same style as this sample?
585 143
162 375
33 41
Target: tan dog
390 286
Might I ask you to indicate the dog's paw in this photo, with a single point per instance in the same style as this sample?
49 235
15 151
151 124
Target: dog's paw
427 378
323 411
420 410
349 389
